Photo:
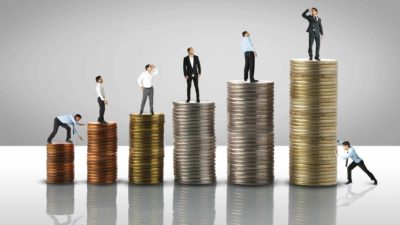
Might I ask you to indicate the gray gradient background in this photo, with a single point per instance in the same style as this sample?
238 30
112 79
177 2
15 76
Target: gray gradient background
52 50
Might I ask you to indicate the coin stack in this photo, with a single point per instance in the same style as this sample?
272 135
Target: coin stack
312 205
146 204
194 204
250 132
60 199
60 163
250 205
101 204
102 153
313 110
146 153
194 142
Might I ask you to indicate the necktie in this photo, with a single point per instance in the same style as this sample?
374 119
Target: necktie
347 162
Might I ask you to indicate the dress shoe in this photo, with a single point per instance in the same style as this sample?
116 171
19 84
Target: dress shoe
48 142
141 112
152 112
254 81
317 59
310 58
69 141
188 100
375 182
198 100
349 182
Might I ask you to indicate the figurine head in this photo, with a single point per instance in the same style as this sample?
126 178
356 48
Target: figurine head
149 67
99 79
314 11
190 51
245 33
346 145
77 117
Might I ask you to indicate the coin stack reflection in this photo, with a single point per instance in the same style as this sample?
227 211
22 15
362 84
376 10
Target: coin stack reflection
60 199
194 142
101 204
312 205
250 132
102 153
194 204
250 205
146 204
146 153
313 110
60 163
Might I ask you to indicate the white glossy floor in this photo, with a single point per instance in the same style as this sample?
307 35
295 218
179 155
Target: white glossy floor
25 198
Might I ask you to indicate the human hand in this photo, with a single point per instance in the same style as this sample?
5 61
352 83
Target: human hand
199 75
255 54
187 77
105 102
142 87
81 138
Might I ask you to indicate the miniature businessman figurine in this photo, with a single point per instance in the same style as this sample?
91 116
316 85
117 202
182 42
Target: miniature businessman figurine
145 82
249 56
357 161
101 99
66 121
192 71
314 30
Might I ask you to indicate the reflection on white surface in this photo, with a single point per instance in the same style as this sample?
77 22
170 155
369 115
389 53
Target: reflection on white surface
250 205
24 192
146 204
194 204
312 205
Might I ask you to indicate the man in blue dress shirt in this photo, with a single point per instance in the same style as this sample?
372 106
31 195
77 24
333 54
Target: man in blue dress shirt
357 161
66 121
249 55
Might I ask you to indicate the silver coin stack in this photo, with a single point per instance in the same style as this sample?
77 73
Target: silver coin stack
250 132
313 116
194 142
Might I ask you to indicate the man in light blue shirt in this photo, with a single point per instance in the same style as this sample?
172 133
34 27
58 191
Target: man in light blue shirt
357 161
66 121
249 55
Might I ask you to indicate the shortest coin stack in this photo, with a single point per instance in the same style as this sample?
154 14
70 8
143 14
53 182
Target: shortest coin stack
102 153
146 153
60 163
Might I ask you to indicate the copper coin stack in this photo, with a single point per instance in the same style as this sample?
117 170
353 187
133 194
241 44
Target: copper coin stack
313 116
250 205
60 199
194 142
102 153
250 132
313 205
146 153
101 204
60 163
146 204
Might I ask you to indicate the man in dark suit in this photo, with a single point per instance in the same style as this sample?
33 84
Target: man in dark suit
314 30
192 72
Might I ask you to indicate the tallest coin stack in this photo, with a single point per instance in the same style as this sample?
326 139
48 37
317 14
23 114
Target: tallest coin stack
250 132
313 109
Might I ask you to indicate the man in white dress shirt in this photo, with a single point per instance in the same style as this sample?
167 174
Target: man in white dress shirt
101 99
145 82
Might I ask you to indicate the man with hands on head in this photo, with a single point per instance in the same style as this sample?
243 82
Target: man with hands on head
145 82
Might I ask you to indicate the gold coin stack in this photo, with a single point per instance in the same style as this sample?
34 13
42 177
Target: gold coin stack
194 204
146 153
60 163
194 142
102 153
146 204
250 205
250 132
312 205
313 111
101 204
60 199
